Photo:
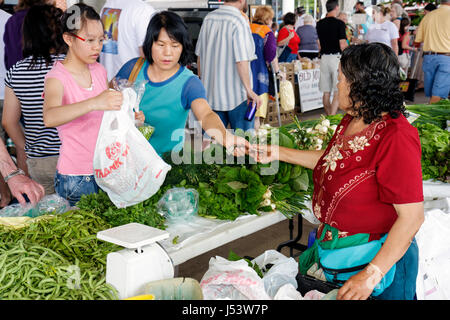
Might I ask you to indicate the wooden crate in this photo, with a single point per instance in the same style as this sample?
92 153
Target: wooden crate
272 115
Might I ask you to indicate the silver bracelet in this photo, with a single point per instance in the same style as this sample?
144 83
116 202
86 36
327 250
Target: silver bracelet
14 173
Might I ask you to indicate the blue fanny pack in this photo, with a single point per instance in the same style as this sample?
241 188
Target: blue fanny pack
339 265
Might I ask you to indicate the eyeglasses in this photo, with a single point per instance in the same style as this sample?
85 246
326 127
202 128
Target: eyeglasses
88 41
76 36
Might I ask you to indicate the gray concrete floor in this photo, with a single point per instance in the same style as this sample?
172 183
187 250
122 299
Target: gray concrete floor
265 239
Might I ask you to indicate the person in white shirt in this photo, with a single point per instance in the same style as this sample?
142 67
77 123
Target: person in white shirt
383 30
301 13
125 25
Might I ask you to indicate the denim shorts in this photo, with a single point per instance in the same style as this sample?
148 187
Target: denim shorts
436 73
404 285
73 187
236 118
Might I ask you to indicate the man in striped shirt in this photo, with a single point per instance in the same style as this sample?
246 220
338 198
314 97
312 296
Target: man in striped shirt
224 49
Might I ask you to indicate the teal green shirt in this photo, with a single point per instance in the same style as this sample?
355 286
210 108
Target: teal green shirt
166 104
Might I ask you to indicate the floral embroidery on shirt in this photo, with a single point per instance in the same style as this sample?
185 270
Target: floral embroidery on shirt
317 211
332 157
358 143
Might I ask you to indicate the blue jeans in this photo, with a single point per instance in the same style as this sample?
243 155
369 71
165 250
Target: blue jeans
236 117
404 285
73 187
436 72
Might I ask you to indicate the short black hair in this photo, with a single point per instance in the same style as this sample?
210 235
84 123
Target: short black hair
175 28
79 12
42 32
289 18
331 5
372 71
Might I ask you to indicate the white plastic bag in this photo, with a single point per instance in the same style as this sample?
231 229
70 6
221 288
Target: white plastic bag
287 97
126 166
232 280
283 271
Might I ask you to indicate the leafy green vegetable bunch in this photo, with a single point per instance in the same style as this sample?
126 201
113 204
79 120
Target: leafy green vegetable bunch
435 144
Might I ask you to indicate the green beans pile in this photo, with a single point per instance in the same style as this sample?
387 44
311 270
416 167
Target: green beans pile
35 272
39 261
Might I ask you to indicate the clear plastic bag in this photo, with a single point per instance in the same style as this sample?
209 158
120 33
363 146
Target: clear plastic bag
51 204
179 204
283 271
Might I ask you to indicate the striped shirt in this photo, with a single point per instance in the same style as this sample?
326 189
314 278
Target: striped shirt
225 38
28 86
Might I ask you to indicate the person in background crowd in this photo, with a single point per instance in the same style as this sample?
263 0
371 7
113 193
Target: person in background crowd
224 68
75 95
368 181
309 45
360 9
274 28
434 32
13 32
172 89
383 30
5 196
125 24
301 13
428 8
266 51
288 39
43 46
19 184
404 48
397 14
348 28
333 40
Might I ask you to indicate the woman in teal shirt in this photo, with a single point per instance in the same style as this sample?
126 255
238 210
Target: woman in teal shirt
171 89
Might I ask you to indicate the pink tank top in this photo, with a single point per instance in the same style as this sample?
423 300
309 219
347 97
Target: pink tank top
79 136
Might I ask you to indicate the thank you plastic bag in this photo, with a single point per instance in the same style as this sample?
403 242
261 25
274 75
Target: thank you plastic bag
232 280
126 166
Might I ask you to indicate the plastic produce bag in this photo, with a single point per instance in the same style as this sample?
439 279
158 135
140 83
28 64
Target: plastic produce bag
287 97
283 271
126 166
232 280
51 204
179 204
139 88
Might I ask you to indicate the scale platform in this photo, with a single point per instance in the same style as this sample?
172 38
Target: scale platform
132 235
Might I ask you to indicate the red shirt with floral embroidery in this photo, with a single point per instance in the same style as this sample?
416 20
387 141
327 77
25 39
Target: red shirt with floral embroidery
361 176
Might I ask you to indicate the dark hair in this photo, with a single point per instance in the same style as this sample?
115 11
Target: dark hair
300 10
331 5
373 73
430 7
25 4
76 16
175 28
403 23
289 18
42 33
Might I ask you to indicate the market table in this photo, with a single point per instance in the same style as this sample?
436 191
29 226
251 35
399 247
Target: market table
222 234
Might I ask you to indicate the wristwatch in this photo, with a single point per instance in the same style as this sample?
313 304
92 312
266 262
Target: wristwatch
14 173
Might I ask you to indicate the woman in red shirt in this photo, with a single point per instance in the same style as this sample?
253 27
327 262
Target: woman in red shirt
289 39
368 182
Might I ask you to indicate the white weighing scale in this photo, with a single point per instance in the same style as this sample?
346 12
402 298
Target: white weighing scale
143 260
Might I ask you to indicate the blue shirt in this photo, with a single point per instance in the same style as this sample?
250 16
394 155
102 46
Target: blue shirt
166 104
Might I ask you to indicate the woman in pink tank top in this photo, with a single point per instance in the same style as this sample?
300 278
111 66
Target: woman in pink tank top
75 95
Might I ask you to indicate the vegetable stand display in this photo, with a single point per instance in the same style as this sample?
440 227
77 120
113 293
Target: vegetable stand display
59 256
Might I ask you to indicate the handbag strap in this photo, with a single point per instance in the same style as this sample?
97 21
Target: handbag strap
136 69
